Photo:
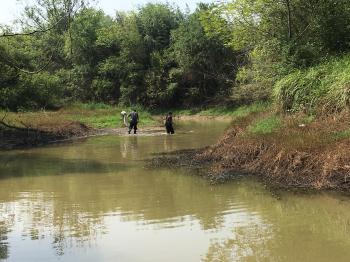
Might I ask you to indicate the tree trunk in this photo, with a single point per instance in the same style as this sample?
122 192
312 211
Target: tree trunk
290 33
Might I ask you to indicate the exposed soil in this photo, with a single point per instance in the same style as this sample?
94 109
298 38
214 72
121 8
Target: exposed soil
297 156
18 137
201 118
47 131
15 137
294 157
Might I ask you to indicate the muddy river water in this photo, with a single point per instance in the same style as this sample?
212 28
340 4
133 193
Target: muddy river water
94 200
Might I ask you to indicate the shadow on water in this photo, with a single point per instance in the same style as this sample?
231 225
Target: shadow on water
41 165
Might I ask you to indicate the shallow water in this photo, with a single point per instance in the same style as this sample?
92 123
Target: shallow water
94 201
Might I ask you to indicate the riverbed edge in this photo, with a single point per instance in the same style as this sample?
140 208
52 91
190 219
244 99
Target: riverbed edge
295 155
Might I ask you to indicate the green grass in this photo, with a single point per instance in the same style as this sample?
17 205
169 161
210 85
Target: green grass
323 88
112 120
266 125
308 119
341 135
92 115
91 106
99 115
105 116
244 111
176 111
99 121
234 112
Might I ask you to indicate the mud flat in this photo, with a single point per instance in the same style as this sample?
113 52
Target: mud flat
15 138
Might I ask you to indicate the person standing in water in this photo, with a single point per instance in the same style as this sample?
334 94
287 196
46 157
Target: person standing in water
134 120
169 123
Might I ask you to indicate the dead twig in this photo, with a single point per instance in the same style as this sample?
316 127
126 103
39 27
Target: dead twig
4 117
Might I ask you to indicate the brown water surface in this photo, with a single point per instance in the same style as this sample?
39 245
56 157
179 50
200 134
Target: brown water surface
95 201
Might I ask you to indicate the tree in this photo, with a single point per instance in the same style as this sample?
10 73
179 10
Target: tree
208 66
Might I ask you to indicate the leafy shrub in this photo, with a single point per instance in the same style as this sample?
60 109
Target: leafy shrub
35 91
251 93
324 88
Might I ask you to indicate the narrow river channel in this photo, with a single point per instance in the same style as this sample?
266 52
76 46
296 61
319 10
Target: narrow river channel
93 200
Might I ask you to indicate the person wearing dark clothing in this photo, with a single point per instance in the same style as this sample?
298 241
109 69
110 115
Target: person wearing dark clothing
134 120
169 123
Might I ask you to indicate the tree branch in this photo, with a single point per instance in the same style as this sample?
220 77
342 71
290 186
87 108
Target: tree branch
3 118
35 31
289 12
26 71
24 129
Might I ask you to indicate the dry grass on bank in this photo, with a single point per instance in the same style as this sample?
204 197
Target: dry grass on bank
42 120
89 115
292 151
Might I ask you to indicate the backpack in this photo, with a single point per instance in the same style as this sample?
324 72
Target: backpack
134 117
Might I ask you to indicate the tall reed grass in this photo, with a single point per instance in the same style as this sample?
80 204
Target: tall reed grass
321 89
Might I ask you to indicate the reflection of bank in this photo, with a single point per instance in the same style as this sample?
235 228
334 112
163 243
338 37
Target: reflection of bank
168 143
128 146
4 230
3 247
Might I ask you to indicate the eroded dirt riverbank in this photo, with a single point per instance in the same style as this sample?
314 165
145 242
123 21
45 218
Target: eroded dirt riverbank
315 155
14 138
300 157
95 201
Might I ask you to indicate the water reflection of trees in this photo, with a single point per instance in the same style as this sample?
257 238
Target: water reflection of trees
5 224
71 209
43 165
249 243
42 218
295 228
3 244
92 180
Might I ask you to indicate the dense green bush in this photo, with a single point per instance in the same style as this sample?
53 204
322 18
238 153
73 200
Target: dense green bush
41 90
324 88
279 37
157 57
160 57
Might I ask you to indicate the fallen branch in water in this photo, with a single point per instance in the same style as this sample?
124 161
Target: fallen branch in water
26 129
4 117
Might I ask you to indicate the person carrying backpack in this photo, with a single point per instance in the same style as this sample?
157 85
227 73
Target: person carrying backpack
134 120
169 123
